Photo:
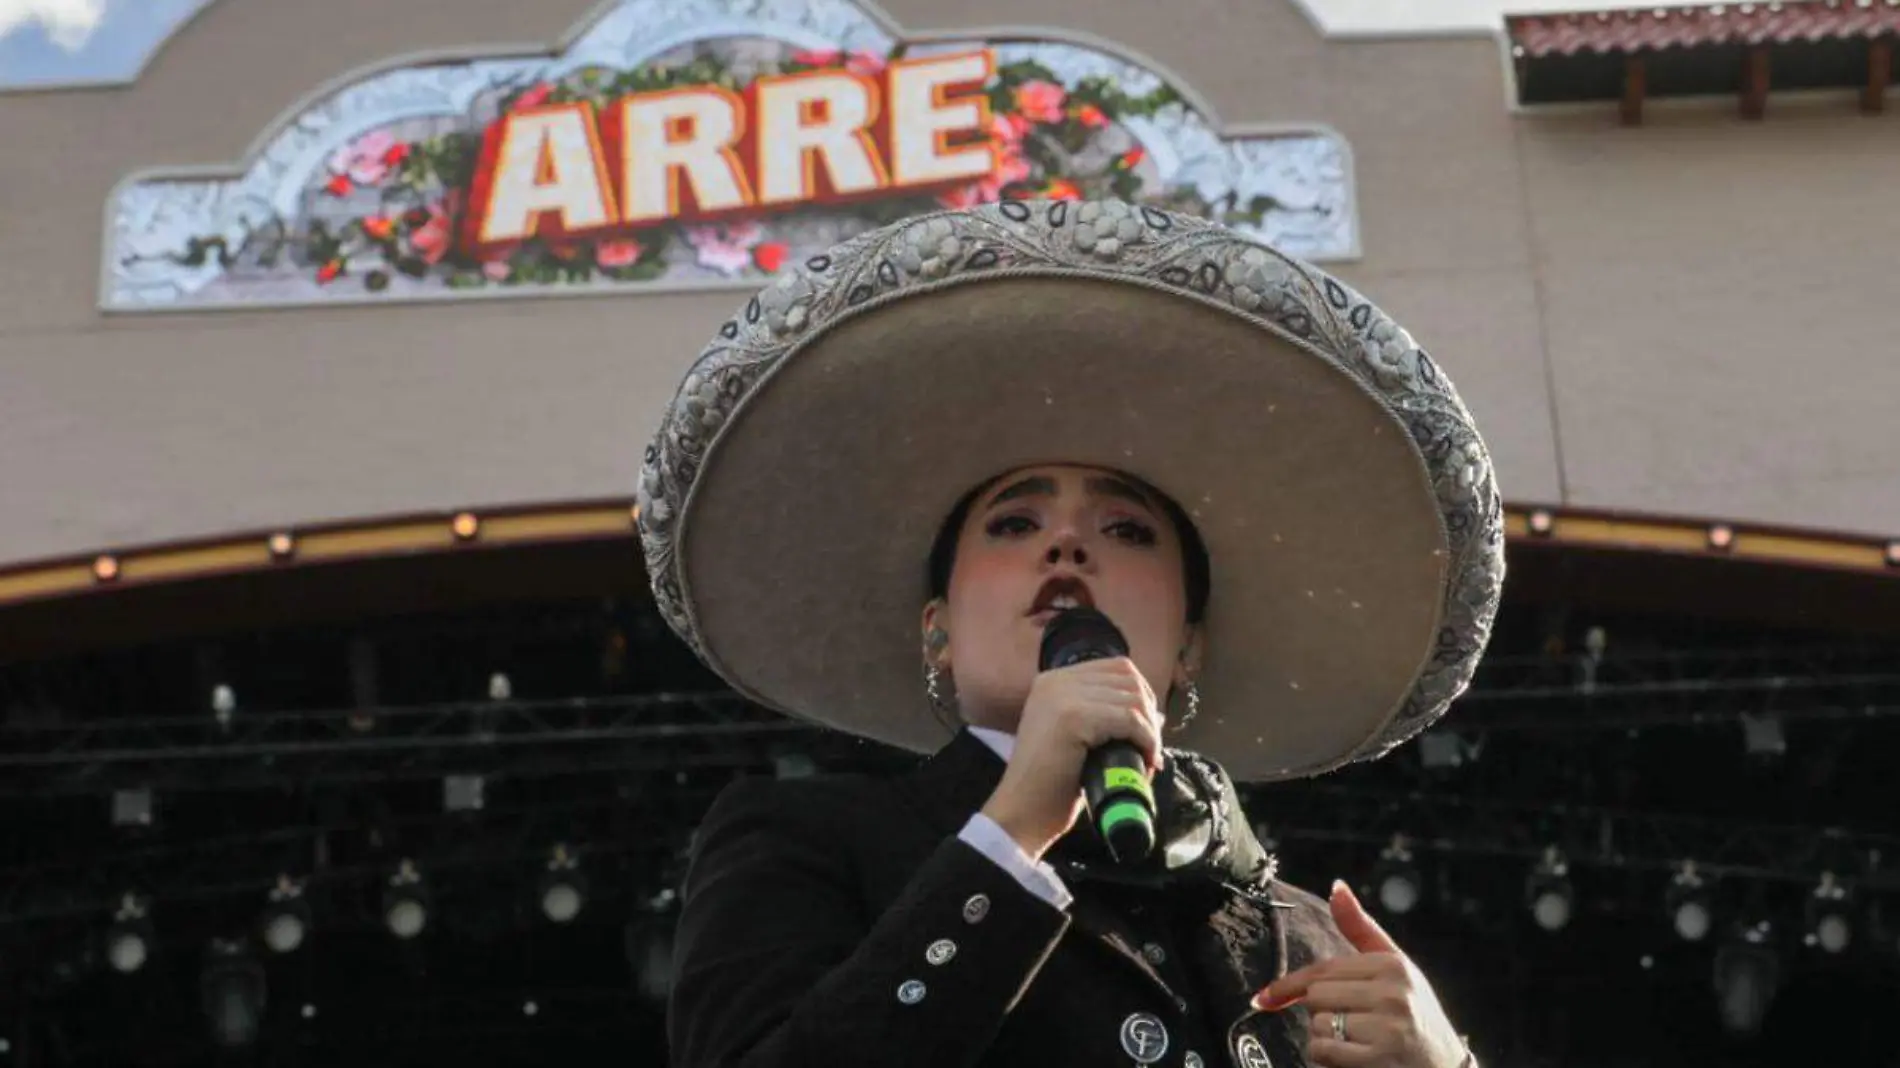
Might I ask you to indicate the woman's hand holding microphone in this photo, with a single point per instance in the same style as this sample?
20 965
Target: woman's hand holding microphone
1070 711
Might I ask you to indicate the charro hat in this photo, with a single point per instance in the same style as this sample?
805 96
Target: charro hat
1347 503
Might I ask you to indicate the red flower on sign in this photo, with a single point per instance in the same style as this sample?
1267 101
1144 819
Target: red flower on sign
1062 189
1041 101
1008 130
328 272
339 186
534 97
1091 116
770 256
617 253
379 227
1133 157
817 57
396 155
432 238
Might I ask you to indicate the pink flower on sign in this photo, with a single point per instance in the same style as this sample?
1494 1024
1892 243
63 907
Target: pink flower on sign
869 64
497 270
1009 129
817 57
1041 101
962 197
1091 116
536 96
366 161
617 253
726 249
436 235
1011 167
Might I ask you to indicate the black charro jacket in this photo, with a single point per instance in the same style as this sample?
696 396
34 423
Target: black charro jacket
840 922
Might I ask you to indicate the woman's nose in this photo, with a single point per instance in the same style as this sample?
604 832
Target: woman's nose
1068 545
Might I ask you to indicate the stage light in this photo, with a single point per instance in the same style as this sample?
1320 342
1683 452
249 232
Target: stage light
130 939
794 766
1747 977
132 808
223 704
286 920
406 902
1691 906
1830 916
1552 898
1396 878
563 887
500 688
649 944
233 992
462 793
1762 734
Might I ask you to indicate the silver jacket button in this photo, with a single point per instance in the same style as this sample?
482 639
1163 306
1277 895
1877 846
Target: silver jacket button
1249 1053
1154 954
1144 1038
911 993
976 908
1192 1060
940 951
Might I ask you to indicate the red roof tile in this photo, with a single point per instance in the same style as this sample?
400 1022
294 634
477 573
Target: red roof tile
1699 27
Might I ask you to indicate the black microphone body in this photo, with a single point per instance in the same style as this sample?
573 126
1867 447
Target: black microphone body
1115 784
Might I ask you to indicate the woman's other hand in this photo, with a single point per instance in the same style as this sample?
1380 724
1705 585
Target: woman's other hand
1070 711
1393 1019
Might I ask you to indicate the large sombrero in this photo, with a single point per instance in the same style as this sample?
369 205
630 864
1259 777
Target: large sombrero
1348 505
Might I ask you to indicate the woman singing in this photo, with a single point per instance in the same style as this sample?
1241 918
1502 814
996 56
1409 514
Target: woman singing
877 490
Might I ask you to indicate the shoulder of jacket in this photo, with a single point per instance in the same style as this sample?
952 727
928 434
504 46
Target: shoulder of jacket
818 798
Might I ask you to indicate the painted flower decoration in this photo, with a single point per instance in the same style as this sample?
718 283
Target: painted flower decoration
435 235
369 159
622 253
1041 101
726 249
534 97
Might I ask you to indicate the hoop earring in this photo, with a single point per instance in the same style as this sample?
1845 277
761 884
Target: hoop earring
933 688
1193 694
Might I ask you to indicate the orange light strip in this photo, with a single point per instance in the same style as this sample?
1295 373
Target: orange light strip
467 530
280 548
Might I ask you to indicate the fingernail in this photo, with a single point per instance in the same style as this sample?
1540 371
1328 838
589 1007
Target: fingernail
1338 885
1264 1003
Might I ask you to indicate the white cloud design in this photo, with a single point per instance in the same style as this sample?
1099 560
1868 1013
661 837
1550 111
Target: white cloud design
69 23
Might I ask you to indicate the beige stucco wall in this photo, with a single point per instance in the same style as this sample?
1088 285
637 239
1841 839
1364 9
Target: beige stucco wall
1686 318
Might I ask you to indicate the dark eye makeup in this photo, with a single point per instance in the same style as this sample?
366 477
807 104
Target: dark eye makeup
1132 531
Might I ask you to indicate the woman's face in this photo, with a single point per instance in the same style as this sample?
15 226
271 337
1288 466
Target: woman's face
1045 532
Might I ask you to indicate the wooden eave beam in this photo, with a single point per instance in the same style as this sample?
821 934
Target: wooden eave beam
1873 99
1635 86
1755 83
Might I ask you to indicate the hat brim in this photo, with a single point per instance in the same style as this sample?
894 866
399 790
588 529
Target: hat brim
805 534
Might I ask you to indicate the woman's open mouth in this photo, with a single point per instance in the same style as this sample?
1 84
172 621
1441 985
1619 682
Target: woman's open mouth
1057 594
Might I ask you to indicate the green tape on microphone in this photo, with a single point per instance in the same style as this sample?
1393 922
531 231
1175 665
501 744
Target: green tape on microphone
1122 812
1128 779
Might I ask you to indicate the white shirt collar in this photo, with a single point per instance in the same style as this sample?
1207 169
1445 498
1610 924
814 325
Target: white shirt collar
1000 743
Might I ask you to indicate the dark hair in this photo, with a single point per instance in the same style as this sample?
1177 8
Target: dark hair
1194 565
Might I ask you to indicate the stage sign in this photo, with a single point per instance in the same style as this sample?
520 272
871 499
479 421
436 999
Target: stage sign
686 144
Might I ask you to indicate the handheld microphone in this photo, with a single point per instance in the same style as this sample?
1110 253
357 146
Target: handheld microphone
1115 786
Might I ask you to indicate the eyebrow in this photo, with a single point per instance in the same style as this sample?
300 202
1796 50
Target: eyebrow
1041 486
